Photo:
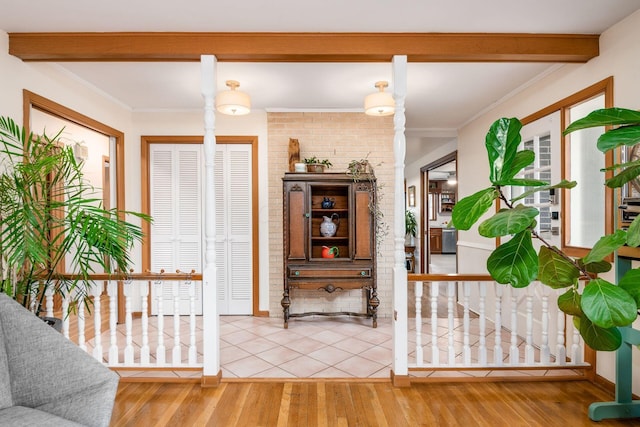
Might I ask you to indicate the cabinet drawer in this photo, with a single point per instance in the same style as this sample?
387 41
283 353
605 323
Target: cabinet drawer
330 285
323 273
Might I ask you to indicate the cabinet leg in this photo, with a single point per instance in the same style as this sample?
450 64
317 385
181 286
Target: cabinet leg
374 302
286 302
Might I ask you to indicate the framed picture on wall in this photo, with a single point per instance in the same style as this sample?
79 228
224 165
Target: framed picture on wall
411 196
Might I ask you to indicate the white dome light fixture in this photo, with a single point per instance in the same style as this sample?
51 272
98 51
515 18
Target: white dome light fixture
379 103
232 101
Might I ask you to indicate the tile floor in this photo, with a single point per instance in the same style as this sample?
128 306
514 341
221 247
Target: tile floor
312 347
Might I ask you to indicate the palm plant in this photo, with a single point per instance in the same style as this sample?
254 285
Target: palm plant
51 217
601 307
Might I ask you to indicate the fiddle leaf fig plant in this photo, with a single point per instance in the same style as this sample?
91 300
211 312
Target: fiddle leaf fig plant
598 308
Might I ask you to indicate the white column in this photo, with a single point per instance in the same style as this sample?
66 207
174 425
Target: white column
210 319
400 323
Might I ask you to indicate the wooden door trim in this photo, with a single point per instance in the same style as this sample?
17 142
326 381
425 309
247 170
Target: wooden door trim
146 141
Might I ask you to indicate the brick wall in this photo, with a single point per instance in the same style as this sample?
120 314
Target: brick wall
339 137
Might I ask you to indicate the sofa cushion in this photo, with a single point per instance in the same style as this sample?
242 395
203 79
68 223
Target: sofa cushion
5 383
20 416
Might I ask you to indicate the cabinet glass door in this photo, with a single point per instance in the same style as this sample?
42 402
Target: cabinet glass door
330 234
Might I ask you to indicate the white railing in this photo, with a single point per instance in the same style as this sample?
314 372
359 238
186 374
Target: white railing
139 339
469 321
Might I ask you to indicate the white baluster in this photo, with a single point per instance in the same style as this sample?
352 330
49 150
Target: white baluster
498 354
451 289
482 347
435 350
529 354
545 350
81 318
128 319
576 350
561 349
160 348
193 350
143 286
65 315
112 291
417 286
514 353
48 298
177 353
96 291
466 351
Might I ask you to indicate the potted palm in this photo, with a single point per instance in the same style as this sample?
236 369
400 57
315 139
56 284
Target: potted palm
600 308
53 223
410 227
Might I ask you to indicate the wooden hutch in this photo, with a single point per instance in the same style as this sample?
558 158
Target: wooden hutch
354 267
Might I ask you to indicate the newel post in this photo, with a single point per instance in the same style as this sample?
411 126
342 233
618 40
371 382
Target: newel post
400 370
211 372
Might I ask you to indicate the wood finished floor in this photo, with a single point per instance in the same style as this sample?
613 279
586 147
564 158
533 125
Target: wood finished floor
368 404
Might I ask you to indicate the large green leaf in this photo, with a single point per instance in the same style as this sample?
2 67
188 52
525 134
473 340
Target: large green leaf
595 267
625 135
562 184
569 303
633 233
523 182
601 339
626 175
502 142
521 160
508 221
630 282
555 270
514 262
605 117
608 305
469 209
605 246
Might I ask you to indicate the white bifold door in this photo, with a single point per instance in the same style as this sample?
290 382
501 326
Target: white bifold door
177 230
234 243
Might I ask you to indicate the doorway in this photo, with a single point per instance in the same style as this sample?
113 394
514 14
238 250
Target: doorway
439 196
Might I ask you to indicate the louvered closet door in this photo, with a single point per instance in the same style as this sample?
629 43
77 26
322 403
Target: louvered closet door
234 260
176 230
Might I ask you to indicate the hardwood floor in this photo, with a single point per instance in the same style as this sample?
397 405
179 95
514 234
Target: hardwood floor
351 403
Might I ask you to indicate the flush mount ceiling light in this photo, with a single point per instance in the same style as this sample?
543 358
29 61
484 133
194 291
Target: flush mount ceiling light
379 103
232 101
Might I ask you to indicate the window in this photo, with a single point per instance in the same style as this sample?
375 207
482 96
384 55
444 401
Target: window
586 211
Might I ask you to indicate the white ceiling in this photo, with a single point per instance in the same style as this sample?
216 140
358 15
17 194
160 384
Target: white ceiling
441 96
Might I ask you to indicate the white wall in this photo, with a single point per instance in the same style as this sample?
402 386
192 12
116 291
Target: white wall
620 57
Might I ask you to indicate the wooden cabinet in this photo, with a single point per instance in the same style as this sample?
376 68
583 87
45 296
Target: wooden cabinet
435 240
309 199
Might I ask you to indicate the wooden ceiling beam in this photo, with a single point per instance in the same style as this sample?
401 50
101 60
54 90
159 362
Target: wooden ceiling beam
304 47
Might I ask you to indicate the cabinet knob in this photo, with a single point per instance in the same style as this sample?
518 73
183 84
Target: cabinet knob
297 273
363 273
307 215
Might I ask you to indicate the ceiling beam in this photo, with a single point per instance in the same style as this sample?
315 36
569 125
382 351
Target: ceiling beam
304 47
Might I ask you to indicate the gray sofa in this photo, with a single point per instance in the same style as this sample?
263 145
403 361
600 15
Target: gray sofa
45 379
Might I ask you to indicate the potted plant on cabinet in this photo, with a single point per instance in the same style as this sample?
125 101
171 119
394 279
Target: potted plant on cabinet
600 308
50 217
315 165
